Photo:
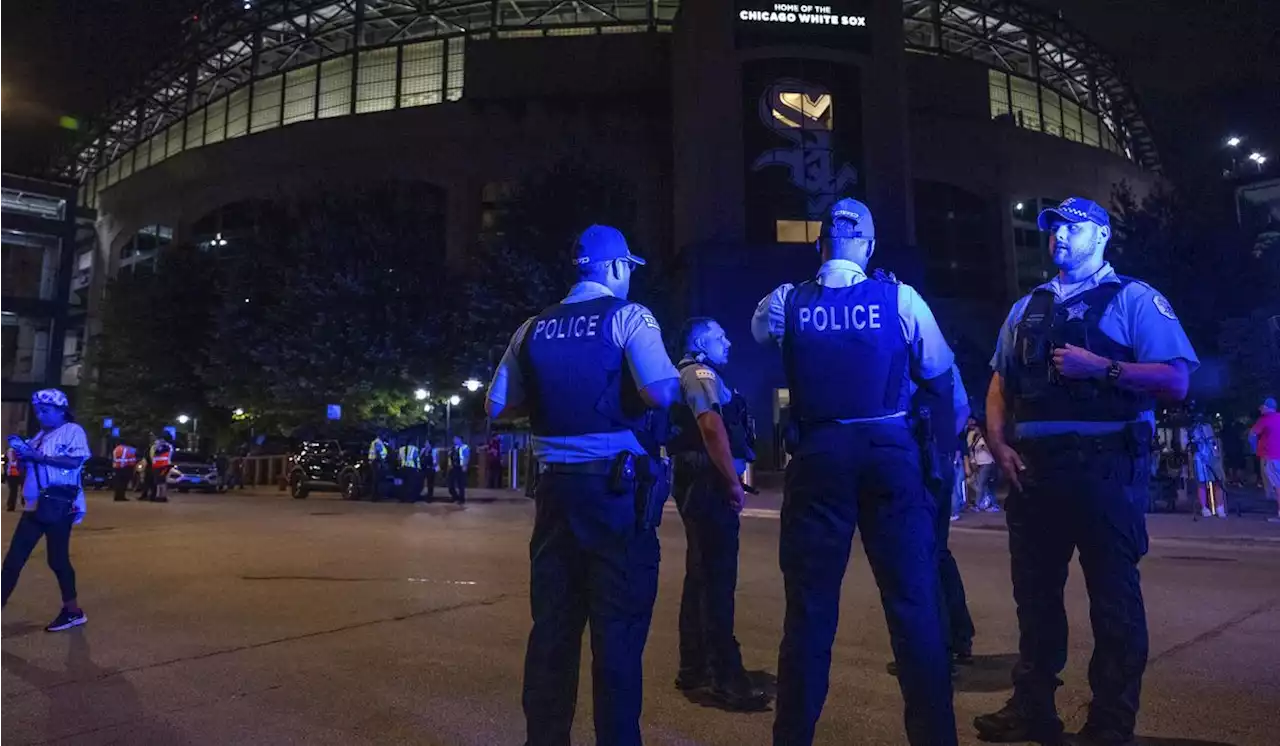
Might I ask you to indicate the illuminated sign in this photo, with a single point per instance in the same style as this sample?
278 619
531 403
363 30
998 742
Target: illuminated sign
837 23
334 411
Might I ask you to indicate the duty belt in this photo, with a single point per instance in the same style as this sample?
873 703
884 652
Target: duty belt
595 468
1134 439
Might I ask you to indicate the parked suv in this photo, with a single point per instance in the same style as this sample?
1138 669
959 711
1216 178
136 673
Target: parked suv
97 473
328 466
193 471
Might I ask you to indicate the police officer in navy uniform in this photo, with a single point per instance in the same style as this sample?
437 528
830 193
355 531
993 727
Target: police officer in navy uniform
849 344
1078 368
585 371
711 443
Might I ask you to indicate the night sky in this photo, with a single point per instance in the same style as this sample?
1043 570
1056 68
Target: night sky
1203 68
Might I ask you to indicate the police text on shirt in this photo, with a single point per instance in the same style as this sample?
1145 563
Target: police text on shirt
567 326
839 318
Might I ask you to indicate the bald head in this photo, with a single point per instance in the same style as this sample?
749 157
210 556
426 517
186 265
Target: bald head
703 335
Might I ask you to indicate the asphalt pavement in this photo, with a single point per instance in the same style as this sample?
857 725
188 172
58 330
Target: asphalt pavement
253 618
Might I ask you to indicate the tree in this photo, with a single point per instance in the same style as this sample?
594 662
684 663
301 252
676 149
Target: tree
340 299
147 360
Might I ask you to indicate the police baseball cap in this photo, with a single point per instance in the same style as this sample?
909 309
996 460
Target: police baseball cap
1074 210
1269 403
848 218
601 243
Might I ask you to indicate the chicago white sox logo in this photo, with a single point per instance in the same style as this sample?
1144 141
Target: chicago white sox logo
804 113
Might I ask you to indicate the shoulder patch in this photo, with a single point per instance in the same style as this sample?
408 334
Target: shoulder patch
1163 307
650 321
705 374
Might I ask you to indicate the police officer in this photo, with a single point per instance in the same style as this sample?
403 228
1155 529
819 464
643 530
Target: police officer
710 445
849 344
409 473
585 370
1078 367
459 462
161 462
124 460
430 465
379 463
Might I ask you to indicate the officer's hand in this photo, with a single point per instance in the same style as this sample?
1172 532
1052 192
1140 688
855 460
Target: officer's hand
1010 463
737 497
1077 362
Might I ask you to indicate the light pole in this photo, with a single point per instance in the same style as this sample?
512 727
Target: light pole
194 434
449 404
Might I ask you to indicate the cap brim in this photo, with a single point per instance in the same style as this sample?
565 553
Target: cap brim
1047 217
636 260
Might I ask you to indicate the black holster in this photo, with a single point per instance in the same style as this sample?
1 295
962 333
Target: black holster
652 487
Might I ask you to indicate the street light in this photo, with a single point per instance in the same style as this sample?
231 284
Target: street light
183 419
471 385
1256 157
237 412
455 400
426 407
421 394
1233 142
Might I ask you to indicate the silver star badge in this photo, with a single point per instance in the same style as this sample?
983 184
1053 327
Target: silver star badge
1077 311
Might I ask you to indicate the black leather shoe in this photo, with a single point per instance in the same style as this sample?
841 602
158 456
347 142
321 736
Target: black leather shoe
740 695
1098 737
691 679
1012 724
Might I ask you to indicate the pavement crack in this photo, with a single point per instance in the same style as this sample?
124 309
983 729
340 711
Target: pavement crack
1214 632
268 643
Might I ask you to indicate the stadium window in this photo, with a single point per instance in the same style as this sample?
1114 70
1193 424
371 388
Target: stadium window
1071 120
376 83
797 231
216 121
300 94
1051 102
422 74
237 112
335 88
572 31
454 76
266 103
1024 100
1089 120
173 144
195 129
998 91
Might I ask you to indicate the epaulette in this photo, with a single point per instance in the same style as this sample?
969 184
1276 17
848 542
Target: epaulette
884 275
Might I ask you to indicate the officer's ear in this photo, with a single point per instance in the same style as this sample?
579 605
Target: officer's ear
871 247
1104 234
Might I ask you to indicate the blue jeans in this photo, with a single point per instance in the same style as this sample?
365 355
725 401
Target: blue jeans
26 535
589 562
842 477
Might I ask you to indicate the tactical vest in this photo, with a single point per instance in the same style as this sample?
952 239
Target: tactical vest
160 455
124 457
844 352
575 375
1039 394
686 438
455 457
409 457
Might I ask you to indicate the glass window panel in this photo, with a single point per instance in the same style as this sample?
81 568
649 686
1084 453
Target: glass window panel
335 88
455 72
997 83
216 122
266 102
1089 120
1071 120
24 344
1051 102
300 95
195 129
174 145
422 74
797 231
1025 102
376 82
237 112
31 262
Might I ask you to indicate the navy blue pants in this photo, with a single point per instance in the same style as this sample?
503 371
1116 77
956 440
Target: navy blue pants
1093 502
957 624
590 563
710 572
842 477
57 545
458 484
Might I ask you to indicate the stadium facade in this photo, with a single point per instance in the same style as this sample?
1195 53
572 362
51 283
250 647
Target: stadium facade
735 122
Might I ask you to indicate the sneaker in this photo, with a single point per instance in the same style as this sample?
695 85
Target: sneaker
1011 725
955 517
66 620
994 507
1206 513
1222 512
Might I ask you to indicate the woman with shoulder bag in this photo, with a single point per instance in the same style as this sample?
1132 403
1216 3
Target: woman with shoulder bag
54 500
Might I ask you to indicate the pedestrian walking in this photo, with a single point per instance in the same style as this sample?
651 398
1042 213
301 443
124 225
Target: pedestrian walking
850 346
1079 365
1264 436
585 370
53 501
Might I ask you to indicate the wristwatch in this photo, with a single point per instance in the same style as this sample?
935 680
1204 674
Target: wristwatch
1113 371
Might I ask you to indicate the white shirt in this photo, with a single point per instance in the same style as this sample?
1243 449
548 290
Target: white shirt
66 440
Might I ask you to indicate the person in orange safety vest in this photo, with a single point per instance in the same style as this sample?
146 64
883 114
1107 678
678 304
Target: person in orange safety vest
123 461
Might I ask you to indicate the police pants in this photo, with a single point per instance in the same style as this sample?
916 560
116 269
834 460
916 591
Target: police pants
458 483
710 573
590 562
410 484
957 624
842 477
120 481
1076 496
430 477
